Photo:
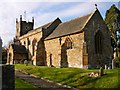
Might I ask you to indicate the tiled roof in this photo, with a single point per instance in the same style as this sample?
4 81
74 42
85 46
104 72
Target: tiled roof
70 27
44 26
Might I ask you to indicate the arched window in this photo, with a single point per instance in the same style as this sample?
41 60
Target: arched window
68 43
98 42
33 46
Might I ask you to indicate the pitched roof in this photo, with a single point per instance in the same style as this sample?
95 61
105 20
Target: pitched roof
70 27
44 26
19 48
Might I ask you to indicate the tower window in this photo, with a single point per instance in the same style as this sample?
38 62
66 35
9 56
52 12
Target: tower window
98 42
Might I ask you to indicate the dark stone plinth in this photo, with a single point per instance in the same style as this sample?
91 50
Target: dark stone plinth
8 77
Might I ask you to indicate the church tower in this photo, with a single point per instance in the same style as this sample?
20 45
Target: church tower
23 27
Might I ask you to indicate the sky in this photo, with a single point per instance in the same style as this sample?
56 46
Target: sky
44 12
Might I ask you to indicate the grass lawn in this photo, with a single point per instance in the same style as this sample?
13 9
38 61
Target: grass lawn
21 85
74 77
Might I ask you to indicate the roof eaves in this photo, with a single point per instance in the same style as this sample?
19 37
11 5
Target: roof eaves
63 35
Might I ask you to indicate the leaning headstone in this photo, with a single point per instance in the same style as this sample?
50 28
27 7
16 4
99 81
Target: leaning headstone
101 71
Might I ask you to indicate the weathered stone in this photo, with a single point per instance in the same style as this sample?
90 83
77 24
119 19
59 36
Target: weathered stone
83 52
83 43
101 71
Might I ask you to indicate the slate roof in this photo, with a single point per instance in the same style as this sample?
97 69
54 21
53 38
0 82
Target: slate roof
44 26
19 48
70 27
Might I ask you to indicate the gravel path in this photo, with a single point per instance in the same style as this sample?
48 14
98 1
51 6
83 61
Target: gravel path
41 83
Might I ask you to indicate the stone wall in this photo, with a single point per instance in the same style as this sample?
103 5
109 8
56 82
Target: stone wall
31 36
72 57
97 24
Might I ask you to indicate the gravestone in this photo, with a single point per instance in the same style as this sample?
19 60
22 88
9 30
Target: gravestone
101 71
105 67
7 76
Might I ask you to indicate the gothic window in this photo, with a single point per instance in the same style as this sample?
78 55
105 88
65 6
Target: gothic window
68 43
34 46
98 42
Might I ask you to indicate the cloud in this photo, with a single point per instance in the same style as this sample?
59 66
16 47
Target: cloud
9 11
42 12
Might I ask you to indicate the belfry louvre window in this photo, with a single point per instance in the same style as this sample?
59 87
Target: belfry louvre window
98 43
68 43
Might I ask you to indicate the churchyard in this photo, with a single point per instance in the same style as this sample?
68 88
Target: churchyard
74 77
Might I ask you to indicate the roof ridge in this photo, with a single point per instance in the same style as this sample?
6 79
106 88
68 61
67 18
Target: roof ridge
77 18
79 24
42 26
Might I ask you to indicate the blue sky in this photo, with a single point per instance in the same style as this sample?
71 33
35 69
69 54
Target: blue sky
44 12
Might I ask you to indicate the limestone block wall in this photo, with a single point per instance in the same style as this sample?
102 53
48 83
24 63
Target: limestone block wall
31 36
73 57
53 52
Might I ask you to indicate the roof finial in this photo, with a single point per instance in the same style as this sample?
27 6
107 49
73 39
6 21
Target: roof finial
96 6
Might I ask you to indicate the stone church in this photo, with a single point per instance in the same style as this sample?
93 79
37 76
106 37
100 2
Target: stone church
83 42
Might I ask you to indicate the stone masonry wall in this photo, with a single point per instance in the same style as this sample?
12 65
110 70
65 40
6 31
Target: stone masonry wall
74 55
94 25
24 41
